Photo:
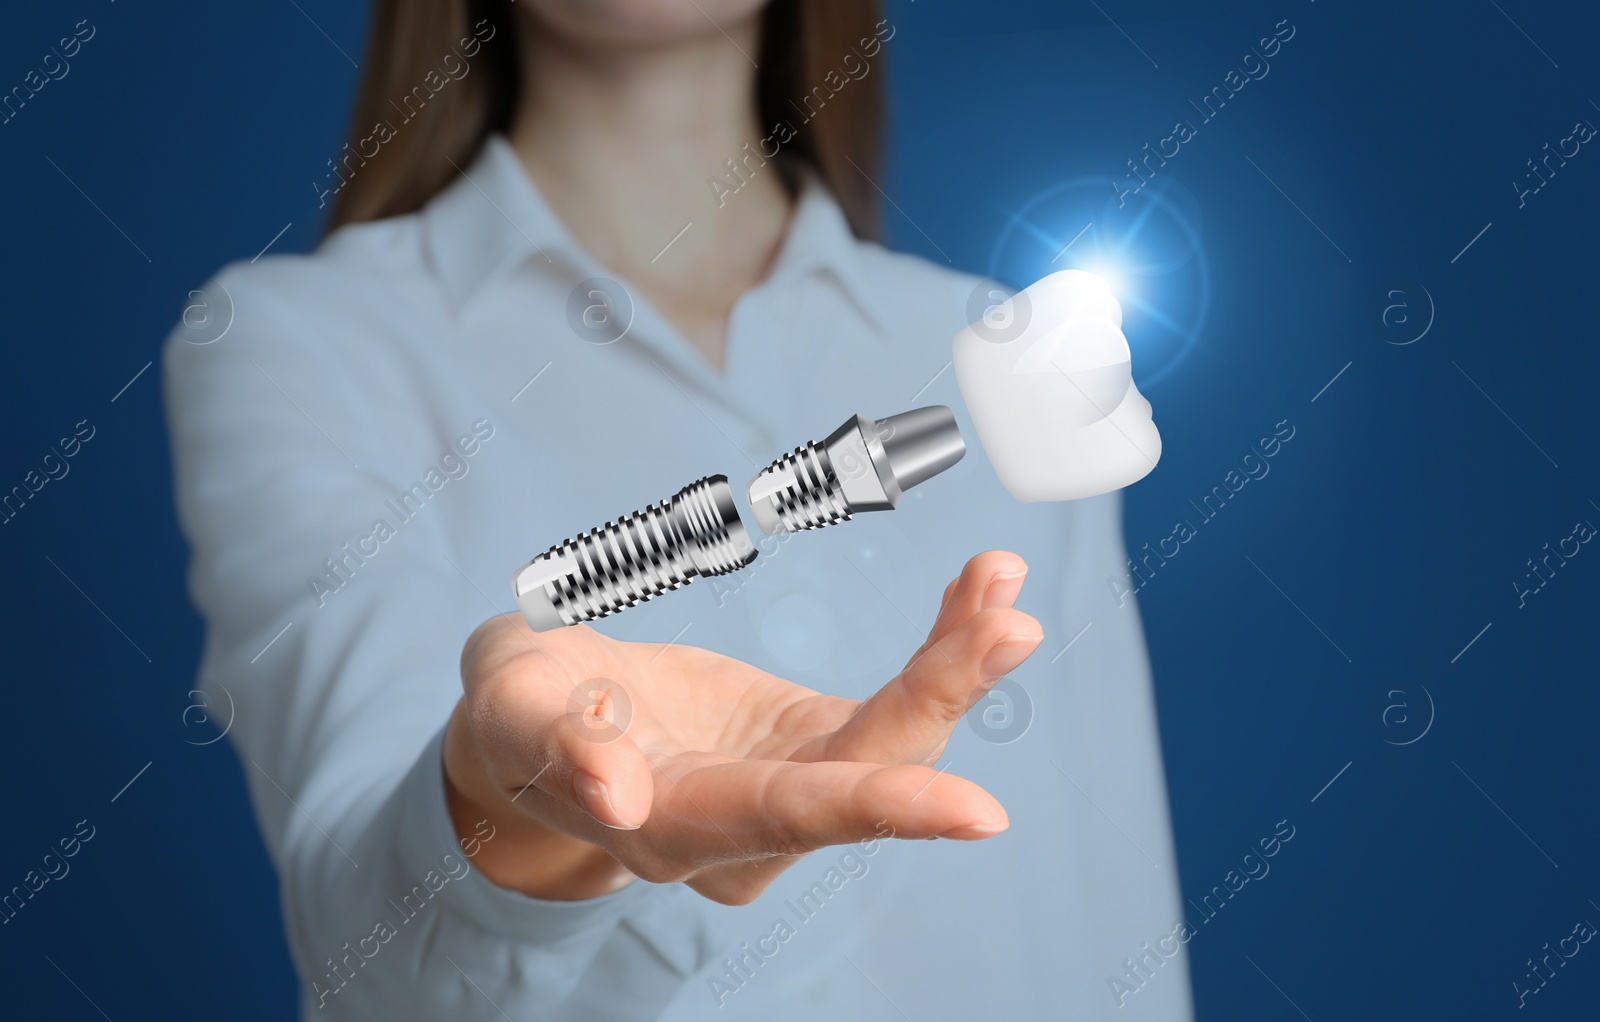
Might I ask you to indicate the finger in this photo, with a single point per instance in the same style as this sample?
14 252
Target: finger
910 719
991 579
553 724
754 809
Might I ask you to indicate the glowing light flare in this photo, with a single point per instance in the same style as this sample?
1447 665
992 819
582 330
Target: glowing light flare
1149 252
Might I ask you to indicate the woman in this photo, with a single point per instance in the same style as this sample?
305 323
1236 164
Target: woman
457 377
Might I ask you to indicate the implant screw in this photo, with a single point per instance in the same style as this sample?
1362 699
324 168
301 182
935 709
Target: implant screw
697 531
864 465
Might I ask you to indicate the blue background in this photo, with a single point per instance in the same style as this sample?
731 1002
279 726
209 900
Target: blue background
1386 536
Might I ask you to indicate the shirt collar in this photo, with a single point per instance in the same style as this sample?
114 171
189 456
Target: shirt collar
493 218
488 221
820 240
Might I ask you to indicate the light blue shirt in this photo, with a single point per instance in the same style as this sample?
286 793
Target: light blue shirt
392 424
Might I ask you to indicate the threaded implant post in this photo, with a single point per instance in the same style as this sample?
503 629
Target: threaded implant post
625 562
803 490
864 465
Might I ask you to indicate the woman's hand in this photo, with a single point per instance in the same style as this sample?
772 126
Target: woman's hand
606 760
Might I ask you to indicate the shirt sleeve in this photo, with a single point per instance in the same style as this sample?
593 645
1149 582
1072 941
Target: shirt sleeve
339 649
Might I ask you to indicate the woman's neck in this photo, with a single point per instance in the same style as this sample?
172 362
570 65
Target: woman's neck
624 141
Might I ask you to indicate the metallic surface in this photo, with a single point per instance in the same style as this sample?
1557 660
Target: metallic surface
625 562
864 465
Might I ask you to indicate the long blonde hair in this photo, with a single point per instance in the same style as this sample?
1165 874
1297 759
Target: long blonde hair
804 44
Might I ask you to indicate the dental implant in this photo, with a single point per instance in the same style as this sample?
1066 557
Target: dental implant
864 465
697 531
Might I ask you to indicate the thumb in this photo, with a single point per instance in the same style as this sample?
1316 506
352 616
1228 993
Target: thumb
596 764
546 737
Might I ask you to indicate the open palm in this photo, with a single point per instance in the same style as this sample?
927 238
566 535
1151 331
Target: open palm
688 766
